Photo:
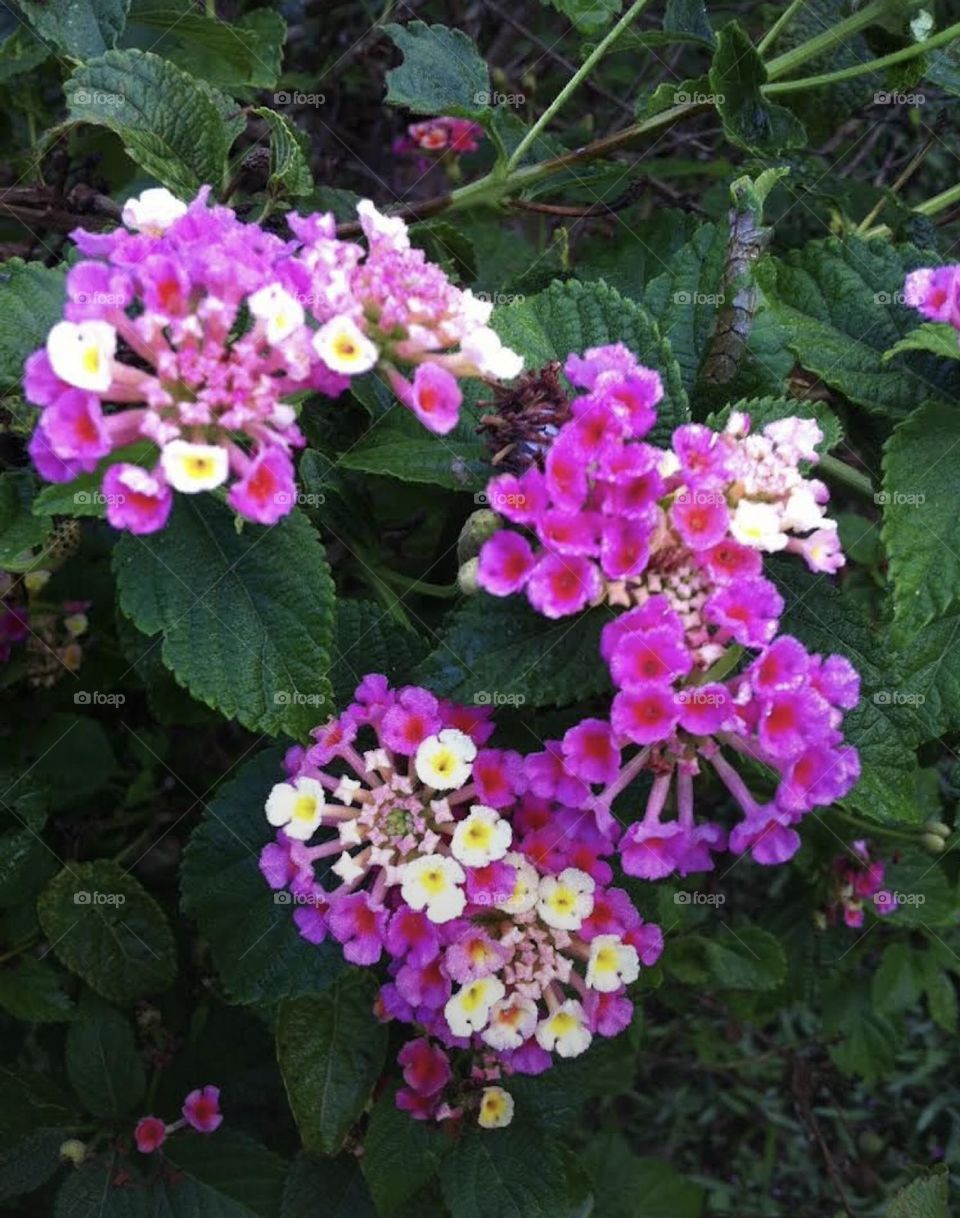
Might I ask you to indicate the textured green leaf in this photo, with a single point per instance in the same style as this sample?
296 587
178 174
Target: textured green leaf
684 299
242 54
441 73
31 1101
745 958
736 77
572 316
493 650
103 925
31 301
289 156
338 1181
925 679
637 258
28 1162
26 864
246 617
103 1063
504 1173
20 530
177 128
78 28
400 1155
921 525
589 17
923 1198
368 639
688 17
867 1042
840 303
30 990
939 338
331 1049
620 1178
256 947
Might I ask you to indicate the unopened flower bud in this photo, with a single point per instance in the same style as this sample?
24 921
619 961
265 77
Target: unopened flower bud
478 528
937 827
467 577
73 1151
933 842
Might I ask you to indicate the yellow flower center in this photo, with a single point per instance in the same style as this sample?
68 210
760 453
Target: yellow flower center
91 360
304 807
562 1023
433 881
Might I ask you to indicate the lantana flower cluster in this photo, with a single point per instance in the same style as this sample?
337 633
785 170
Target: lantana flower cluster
491 908
193 330
857 881
611 517
441 138
201 1112
52 633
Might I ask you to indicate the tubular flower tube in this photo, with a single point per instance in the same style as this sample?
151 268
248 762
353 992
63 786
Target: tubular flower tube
501 932
610 517
193 330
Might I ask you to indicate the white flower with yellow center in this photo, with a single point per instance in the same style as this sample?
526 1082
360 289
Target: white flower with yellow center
282 312
468 1010
296 807
445 761
81 353
153 211
512 1021
194 467
526 886
482 838
564 900
612 964
801 512
565 1032
344 347
483 348
757 525
432 882
496 1108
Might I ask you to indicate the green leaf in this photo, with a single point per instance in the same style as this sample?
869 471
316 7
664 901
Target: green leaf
504 1173
30 990
26 863
840 302
103 1064
589 17
31 1101
338 1181
74 757
400 1155
331 1049
494 651
20 530
921 525
747 958
937 337
688 17
940 992
620 1177
256 947
868 1042
103 925
368 639
177 128
736 77
441 73
31 301
246 617
78 28
27 1163
923 1198
289 173
572 316
896 984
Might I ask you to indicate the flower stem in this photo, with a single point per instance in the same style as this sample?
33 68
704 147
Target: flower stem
838 471
827 40
574 83
872 65
874 828
779 26
409 584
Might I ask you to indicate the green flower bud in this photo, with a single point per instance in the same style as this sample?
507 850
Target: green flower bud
937 827
478 527
467 577
73 1151
933 842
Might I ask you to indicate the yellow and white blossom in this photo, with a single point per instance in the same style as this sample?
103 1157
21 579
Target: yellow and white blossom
344 347
282 312
482 838
496 1108
432 883
757 525
612 964
564 900
296 807
526 886
194 467
512 1021
153 211
468 1010
81 353
565 1032
445 761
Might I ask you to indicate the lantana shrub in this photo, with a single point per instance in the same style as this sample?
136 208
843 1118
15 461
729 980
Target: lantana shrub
479 589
